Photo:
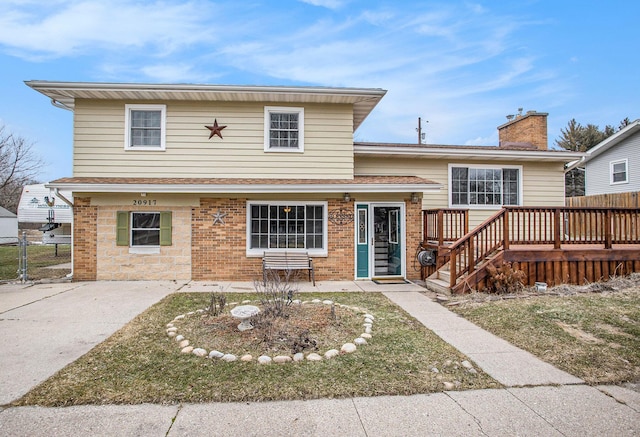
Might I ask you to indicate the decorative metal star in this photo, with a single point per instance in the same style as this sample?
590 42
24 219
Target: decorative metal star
218 217
215 129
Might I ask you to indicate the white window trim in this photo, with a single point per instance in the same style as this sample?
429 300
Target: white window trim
626 171
487 166
268 110
312 252
145 248
127 126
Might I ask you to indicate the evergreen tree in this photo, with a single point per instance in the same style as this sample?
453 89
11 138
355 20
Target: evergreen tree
578 138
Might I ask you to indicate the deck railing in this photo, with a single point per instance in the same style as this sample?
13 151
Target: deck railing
555 226
444 226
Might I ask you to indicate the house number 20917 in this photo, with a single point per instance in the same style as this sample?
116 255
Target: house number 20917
144 202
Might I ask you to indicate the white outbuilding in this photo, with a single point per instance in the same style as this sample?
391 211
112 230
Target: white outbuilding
8 227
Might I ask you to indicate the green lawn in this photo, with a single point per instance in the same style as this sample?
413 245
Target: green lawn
38 256
595 337
140 363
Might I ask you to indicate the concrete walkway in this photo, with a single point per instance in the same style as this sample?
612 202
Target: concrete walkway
45 327
506 363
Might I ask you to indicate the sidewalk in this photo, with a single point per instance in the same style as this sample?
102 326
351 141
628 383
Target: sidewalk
538 399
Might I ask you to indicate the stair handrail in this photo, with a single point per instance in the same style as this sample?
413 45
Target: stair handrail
467 241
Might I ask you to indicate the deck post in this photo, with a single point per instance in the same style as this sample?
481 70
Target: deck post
505 229
608 226
440 227
453 275
556 228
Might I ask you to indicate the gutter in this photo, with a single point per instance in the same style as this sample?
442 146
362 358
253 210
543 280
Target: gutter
574 164
70 203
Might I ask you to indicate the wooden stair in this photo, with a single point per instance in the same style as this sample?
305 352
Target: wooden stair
440 281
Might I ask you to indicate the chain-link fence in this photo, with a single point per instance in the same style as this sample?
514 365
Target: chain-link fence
29 259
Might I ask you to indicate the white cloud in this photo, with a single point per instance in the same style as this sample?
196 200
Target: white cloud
329 4
85 27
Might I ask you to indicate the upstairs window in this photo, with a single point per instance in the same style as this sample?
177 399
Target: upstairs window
484 186
145 127
619 174
283 129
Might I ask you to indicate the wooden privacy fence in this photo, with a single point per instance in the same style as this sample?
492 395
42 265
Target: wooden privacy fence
613 200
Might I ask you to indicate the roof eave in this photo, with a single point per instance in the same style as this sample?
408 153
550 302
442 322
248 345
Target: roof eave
242 188
477 153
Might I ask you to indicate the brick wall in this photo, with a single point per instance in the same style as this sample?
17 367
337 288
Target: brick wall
219 251
414 237
529 128
117 263
84 239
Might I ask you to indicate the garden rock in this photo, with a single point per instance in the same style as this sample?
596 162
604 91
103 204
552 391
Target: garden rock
187 350
281 359
179 338
331 353
229 358
360 341
348 348
264 359
184 343
298 357
199 352
314 357
449 385
467 365
215 354
248 357
366 335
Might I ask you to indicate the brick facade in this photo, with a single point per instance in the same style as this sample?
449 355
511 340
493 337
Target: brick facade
201 250
414 236
529 128
219 251
85 219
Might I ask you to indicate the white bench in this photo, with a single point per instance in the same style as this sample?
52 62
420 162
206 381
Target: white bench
287 261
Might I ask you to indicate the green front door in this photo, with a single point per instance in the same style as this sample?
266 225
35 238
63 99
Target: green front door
362 241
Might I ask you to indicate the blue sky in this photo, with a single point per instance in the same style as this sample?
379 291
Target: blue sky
461 65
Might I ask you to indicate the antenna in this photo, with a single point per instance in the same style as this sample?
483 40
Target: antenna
421 135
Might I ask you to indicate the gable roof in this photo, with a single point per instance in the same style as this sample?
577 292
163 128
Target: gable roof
614 139
63 94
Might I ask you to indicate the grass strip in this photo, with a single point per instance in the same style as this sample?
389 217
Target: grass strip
140 364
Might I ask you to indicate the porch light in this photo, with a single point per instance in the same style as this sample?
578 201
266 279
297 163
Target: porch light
414 198
346 197
287 209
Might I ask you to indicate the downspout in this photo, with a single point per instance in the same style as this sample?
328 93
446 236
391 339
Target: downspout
70 203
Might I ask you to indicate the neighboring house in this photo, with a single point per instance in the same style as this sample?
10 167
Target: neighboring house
8 227
197 181
613 165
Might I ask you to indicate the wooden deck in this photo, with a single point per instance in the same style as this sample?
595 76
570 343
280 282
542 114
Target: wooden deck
552 245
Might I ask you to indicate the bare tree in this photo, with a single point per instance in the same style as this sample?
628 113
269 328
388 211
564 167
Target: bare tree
19 166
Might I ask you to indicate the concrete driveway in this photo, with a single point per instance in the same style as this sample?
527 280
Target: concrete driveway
44 327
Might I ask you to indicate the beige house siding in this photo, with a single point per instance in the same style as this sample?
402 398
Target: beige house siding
116 263
99 142
542 182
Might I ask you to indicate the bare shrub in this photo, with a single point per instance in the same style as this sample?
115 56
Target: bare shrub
218 302
504 279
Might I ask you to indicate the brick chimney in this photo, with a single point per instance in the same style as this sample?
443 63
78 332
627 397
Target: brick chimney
525 130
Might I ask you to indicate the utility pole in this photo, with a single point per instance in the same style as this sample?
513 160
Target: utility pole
421 135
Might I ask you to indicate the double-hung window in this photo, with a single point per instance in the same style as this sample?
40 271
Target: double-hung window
618 171
283 129
484 186
145 127
291 226
143 229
